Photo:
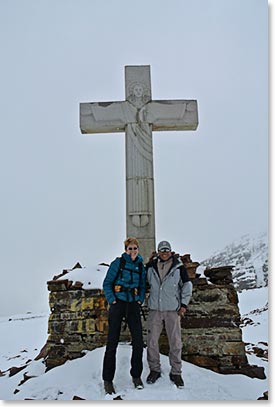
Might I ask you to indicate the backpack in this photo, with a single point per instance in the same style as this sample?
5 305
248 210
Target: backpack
122 263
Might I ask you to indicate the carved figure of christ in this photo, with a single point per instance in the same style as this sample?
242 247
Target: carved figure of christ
138 116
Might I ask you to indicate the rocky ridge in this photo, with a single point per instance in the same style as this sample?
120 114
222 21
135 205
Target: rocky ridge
249 258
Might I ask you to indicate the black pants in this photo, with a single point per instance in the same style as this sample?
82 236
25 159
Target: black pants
131 311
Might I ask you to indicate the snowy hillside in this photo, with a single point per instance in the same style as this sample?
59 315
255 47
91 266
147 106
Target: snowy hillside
249 256
22 337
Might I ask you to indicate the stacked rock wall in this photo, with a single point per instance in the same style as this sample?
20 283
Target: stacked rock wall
210 329
78 321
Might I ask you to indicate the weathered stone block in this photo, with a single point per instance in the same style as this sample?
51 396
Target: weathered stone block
215 294
199 281
219 334
56 327
101 324
203 361
79 326
233 348
64 339
59 285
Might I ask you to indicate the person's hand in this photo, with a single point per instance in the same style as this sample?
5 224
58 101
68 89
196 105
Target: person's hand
114 302
181 311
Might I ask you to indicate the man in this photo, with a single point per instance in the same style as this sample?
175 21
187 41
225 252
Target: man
170 293
124 287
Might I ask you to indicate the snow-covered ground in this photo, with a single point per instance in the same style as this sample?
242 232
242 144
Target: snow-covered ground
22 337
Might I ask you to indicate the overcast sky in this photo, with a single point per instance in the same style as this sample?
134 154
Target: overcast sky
63 193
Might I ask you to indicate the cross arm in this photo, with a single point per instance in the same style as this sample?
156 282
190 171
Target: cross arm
172 114
105 117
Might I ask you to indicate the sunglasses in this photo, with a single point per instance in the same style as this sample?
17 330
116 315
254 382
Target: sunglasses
132 248
164 250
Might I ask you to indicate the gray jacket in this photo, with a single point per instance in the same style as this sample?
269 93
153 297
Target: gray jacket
171 293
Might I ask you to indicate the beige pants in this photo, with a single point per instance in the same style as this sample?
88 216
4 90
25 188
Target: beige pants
171 322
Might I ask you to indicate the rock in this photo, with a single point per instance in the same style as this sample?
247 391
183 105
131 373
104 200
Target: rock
43 353
77 266
61 275
26 377
220 275
190 265
14 370
77 285
264 396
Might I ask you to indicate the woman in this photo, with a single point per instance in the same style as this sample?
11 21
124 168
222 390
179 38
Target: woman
124 287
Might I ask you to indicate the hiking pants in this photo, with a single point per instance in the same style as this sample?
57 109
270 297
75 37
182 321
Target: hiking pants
131 310
171 321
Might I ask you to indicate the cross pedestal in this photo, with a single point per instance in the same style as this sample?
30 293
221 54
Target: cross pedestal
138 116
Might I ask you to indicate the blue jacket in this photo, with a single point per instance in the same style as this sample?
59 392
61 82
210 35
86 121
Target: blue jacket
129 277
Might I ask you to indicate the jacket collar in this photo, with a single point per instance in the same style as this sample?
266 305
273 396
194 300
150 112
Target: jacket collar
128 258
176 263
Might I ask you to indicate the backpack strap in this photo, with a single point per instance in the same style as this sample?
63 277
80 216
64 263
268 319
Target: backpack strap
122 263
183 274
140 272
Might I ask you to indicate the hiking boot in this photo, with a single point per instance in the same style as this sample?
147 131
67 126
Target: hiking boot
153 377
108 387
138 383
177 379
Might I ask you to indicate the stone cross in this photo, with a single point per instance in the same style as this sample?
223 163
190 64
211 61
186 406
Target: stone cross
138 116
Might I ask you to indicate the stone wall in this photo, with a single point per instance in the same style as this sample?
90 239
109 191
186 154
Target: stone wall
210 329
78 321
211 334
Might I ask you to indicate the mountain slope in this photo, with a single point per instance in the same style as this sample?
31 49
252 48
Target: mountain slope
249 256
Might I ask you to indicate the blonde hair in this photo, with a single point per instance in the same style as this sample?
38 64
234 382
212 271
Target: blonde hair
130 240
